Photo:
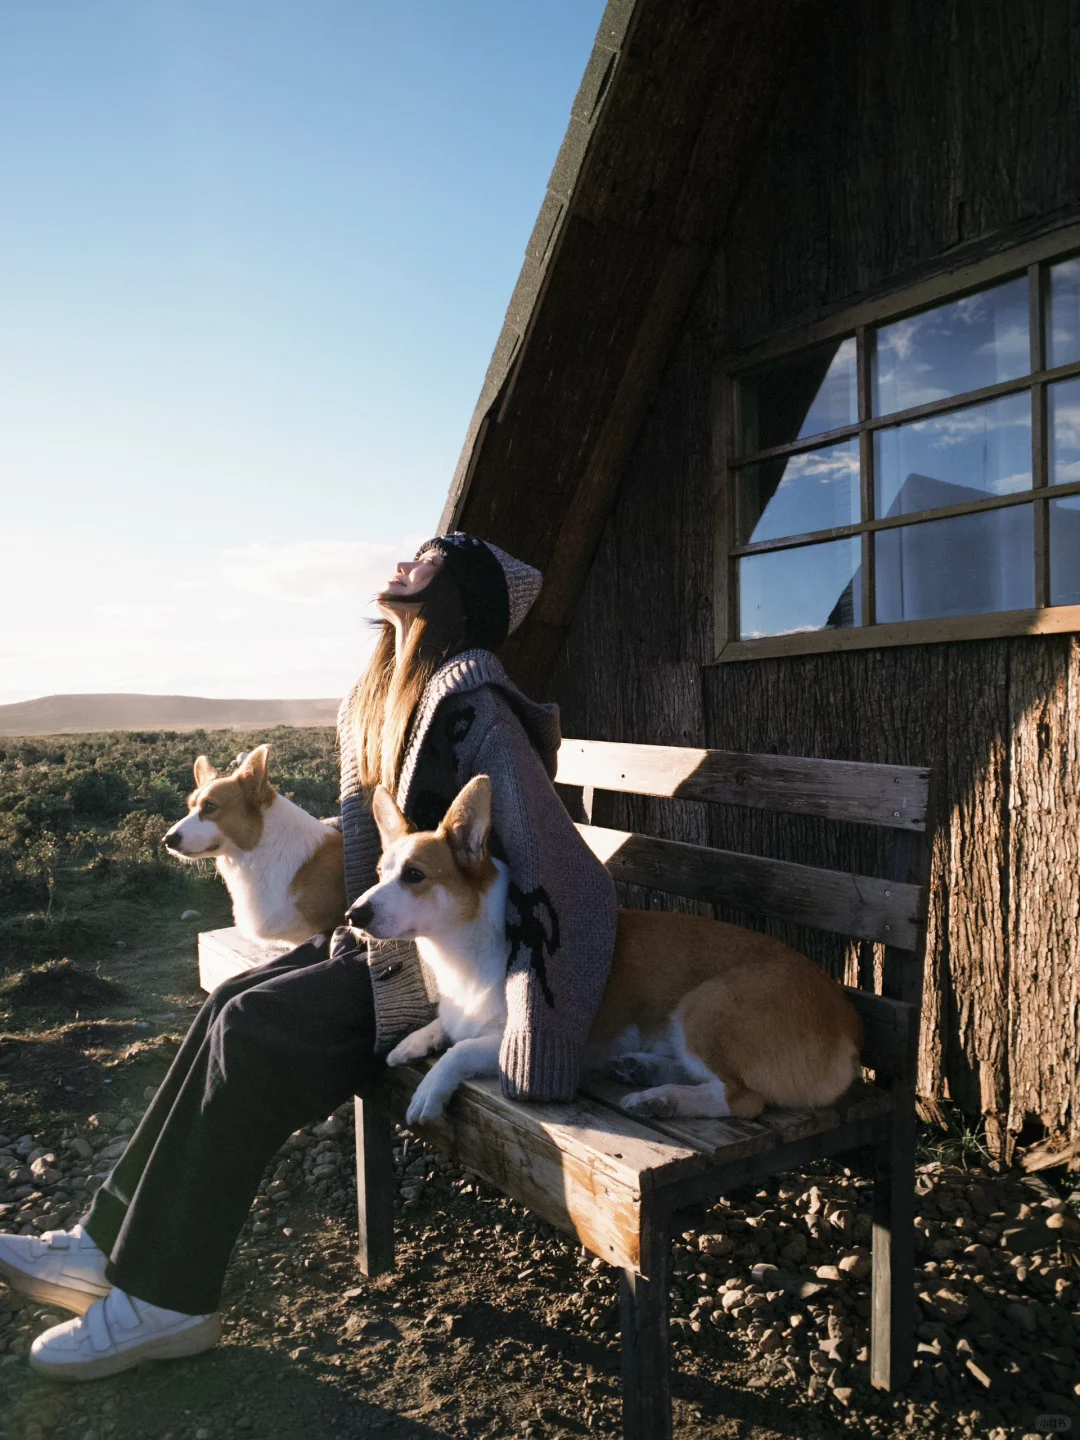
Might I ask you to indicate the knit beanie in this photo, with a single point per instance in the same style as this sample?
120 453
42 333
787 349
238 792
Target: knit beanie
496 590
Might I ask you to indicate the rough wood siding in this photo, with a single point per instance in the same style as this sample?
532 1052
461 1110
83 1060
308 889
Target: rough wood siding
999 721
1044 883
634 665
903 130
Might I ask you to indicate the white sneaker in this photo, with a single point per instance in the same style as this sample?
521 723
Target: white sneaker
117 1333
63 1267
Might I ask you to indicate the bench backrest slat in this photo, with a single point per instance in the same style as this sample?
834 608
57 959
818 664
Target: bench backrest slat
855 905
887 795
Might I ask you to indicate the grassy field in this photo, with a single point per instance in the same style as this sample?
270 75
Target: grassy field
94 957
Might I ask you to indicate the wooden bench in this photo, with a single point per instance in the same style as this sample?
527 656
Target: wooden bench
615 1182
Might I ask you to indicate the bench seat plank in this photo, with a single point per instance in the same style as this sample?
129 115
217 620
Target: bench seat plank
581 1166
716 1140
864 1102
225 953
890 795
857 905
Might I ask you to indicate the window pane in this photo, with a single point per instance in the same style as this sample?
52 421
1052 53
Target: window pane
816 587
798 493
966 565
954 459
801 396
1063 318
979 340
1063 422
1065 551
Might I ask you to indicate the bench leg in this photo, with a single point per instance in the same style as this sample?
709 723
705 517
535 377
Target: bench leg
646 1358
375 1181
892 1325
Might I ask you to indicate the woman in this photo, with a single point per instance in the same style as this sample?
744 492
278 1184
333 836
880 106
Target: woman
277 1047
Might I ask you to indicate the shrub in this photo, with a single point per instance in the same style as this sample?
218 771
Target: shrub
164 799
137 838
42 814
101 794
20 888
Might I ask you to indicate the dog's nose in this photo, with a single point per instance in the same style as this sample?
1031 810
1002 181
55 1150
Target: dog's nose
171 840
361 915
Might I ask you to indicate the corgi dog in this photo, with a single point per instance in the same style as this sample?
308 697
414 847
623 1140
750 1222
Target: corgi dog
284 869
709 1019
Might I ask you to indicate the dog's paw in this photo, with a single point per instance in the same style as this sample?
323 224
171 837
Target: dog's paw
425 1106
630 1069
411 1048
650 1102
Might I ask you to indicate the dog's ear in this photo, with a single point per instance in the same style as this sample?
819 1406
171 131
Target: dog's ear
391 822
467 823
204 772
252 773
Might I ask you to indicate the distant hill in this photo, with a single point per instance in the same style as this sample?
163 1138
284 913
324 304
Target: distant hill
70 714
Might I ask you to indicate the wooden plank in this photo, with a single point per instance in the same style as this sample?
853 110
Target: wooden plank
1057 620
719 1141
225 953
374 1181
580 1166
892 1319
853 905
646 1352
888 1030
789 1125
864 1102
889 795
628 1151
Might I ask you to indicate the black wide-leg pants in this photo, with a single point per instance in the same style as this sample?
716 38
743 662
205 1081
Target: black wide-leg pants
270 1050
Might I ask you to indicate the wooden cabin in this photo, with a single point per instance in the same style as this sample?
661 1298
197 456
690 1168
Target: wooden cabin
786 406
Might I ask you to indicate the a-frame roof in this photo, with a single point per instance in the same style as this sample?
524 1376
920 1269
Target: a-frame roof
661 134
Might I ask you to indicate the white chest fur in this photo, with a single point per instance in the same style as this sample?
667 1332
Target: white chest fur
260 881
470 968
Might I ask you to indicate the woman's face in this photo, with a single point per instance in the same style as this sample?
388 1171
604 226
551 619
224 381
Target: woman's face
411 577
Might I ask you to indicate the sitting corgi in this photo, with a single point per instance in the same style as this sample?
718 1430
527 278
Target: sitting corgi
284 870
709 1018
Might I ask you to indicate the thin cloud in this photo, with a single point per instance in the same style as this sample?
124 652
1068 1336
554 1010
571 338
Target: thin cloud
310 572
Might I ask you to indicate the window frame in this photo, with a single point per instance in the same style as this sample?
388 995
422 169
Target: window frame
1032 259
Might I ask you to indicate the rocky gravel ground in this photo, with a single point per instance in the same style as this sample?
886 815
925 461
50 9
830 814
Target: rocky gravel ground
494 1325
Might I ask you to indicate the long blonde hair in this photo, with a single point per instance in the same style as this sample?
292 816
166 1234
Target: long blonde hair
389 692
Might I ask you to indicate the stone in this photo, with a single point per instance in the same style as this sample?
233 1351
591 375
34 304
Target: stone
842 1220
828 1272
80 1147
716 1245
1063 1225
1022 1316
945 1305
856 1266
769 1342
843 1394
191 915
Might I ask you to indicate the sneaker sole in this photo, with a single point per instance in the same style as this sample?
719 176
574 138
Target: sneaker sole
166 1347
66 1297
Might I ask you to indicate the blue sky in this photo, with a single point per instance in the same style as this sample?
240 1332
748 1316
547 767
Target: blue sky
254 257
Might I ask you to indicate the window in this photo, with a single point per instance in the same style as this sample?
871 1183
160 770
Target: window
910 471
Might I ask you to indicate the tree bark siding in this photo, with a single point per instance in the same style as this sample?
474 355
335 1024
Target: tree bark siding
902 133
1044 884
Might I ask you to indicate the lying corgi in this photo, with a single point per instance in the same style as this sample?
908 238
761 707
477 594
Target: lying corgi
285 870
711 1019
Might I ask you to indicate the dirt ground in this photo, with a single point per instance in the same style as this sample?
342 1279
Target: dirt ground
493 1325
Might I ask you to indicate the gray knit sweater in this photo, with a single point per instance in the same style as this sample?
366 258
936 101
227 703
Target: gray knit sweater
561 909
